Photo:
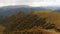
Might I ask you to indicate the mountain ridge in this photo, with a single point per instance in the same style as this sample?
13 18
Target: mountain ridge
9 10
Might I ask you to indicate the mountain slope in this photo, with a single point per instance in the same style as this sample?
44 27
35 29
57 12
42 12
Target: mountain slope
9 10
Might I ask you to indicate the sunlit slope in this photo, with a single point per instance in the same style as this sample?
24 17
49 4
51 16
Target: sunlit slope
36 30
52 17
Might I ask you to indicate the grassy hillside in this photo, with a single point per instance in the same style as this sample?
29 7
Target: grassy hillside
52 17
35 30
44 18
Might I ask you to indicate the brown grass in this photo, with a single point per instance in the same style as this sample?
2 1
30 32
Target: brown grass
52 17
36 30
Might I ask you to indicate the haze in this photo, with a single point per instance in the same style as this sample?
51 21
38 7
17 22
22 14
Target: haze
33 3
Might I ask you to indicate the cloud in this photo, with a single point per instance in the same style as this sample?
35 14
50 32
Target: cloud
30 2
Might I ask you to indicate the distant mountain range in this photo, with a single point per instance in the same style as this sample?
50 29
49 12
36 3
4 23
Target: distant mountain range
9 10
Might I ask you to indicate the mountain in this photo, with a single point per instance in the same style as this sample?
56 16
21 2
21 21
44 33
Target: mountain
7 11
45 20
10 10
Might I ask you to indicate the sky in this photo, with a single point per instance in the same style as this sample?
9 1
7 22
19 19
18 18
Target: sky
30 2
